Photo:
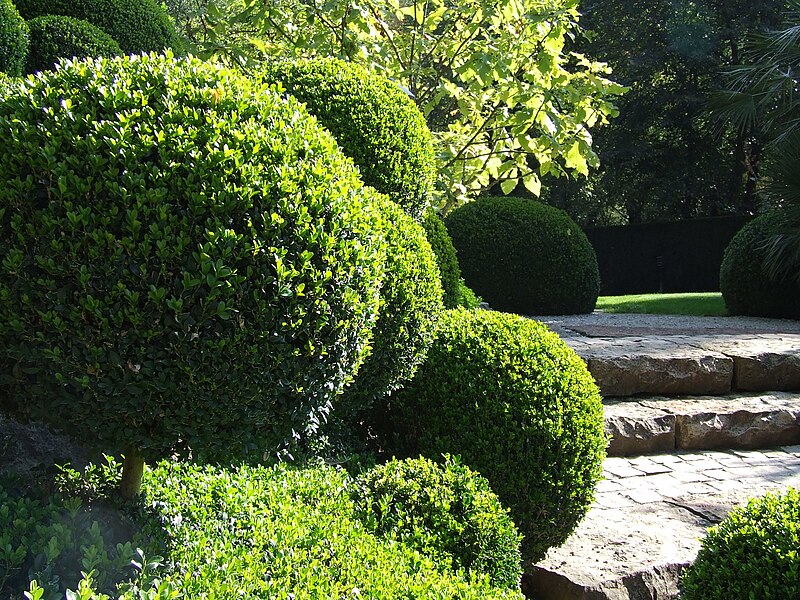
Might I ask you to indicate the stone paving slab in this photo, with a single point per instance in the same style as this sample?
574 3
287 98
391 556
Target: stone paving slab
648 425
648 518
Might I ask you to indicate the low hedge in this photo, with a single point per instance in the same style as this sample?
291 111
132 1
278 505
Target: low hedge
524 256
753 553
446 511
136 25
517 405
373 120
745 286
14 40
54 37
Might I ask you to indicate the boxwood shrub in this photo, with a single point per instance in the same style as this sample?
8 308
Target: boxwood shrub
745 287
189 262
289 533
524 256
13 40
446 511
54 37
373 120
518 406
456 293
753 553
410 304
136 25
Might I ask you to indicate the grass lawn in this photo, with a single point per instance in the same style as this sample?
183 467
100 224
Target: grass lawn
705 304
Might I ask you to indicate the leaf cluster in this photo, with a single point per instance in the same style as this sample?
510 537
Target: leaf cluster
524 256
189 263
753 553
446 511
518 406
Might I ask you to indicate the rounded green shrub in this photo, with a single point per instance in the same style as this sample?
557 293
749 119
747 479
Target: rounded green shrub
410 304
753 553
373 120
745 287
13 40
54 37
445 257
524 256
517 405
189 263
448 512
136 25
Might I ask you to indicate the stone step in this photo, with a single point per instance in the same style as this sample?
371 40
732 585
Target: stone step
674 365
647 521
656 424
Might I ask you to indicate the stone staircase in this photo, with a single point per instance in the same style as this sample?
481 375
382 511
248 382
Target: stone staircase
701 414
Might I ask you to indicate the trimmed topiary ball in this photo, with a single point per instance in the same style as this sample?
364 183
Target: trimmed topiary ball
524 256
136 25
54 37
745 287
374 121
410 304
13 40
189 261
753 553
517 405
446 259
446 511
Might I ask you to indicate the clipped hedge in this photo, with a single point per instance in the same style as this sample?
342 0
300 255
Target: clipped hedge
745 287
189 262
524 256
445 511
136 25
14 40
54 37
753 553
410 304
517 405
372 119
289 533
446 258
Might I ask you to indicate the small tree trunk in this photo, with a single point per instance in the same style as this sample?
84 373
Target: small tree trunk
132 470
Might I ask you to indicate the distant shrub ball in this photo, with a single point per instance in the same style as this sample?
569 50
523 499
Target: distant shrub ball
13 40
54 37
190 264
446 511
136 25
753 553
524 256
446 259
373 120
517 405
745 287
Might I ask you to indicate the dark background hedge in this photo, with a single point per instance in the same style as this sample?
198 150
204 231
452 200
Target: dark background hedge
690 251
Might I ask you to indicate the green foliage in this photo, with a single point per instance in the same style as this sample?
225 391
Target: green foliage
506 102
410 303
446 511
518 406
745 285
54 539
526 257
188 260
753 553
13 40
288 533
54 37
446 259
136 25
373 120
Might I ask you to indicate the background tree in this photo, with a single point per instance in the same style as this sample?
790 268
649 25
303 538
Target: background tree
493 79
665 157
